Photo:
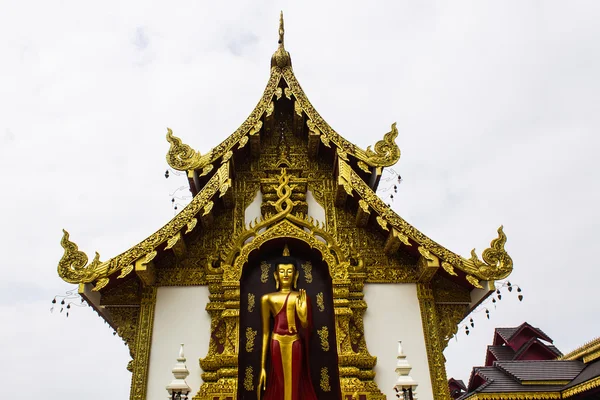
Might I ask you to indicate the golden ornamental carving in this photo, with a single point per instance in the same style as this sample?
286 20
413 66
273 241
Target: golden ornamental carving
243 141
474 281
426 253
181 156
264 272
450 316
496 261
251 302
386 151
382 223
433 342
72 266
364 167
288 93
278 93
324 336
324 383
449 268
249 379
250 336
143 340
206 170
320 302
307 268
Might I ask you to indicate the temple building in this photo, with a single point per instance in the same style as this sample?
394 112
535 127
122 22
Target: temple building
286 264
522 363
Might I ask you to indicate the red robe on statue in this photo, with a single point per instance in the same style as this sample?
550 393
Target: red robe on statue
289 375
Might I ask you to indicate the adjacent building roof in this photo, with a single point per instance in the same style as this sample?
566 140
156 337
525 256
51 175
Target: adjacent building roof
519 373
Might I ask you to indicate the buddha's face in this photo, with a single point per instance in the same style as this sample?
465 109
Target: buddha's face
285 274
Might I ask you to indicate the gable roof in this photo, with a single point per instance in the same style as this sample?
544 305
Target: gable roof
215 170
508 334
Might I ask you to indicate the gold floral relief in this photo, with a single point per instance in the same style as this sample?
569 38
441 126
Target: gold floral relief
324 336
320 302
251 302
250 336
325 386
264 271
249 379
307 267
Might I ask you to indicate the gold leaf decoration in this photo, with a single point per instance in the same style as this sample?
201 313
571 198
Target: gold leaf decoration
363 205
320 302
249 379
206 170
270 109
449 268
288 93
243 142
324 336
298 108
100 284
264 271
382 223
125 271
342 154
250 336
251 302
325 140
191 225
474 281
325 386
278 93
426 253
208 208
256 128
307 268
227 156
364 167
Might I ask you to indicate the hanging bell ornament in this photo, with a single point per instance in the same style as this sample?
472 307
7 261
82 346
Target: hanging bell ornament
167 174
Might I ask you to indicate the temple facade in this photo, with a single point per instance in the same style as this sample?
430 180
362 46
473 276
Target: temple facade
285 181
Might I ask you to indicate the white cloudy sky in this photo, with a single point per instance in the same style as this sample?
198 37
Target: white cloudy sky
496 103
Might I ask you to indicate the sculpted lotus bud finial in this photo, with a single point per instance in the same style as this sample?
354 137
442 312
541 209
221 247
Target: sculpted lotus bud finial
281 58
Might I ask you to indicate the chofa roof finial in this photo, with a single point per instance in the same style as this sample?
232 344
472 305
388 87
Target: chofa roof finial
281 58
281 30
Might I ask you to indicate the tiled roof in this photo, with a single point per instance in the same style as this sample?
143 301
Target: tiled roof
506 333
502 353
591 371
497 381
525 346
549 370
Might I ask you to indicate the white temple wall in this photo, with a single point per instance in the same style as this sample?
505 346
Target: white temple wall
314 209
394 314
179 317
253 210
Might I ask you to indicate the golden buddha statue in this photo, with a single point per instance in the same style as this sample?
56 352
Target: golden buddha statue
289 374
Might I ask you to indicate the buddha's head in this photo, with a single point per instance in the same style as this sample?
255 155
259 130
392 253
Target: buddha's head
286 273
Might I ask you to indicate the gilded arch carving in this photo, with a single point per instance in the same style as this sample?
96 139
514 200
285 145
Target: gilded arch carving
221 364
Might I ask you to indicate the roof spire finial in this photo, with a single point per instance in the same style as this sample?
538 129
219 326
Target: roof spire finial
281 58
281 30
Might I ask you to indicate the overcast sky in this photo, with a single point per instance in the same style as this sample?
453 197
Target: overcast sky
496 104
